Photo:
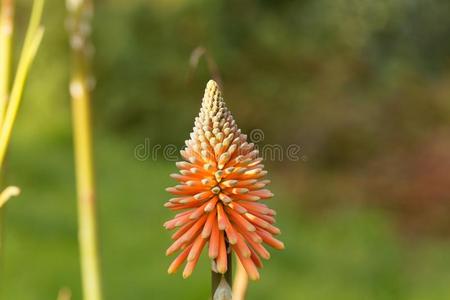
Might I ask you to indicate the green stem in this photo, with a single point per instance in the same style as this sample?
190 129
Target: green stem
217 277
80 13
33 39
10 101
6 31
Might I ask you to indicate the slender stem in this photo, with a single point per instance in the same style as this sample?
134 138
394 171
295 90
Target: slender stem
6 32
33 39
10 101
80 13
213 68
87 230
240 282
217 277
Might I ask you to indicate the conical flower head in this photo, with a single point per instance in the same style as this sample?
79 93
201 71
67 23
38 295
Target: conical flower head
219 194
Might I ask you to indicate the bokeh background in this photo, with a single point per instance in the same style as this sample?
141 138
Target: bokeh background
363 87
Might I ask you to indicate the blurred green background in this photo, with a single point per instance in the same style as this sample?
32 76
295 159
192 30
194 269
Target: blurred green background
363 87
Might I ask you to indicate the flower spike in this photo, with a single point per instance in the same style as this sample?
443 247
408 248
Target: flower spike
218 193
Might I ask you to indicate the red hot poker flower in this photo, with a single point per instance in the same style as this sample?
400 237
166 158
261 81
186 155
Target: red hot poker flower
219 193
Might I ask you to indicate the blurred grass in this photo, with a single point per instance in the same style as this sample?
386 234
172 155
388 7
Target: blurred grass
349 253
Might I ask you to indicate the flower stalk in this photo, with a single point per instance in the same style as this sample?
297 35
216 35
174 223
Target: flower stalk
79 27
221 283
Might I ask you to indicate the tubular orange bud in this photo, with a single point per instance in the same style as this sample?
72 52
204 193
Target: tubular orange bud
179 260
248 264
239 208
270 240
209 224
238 219
256 260
182 231
196 248
222 257
214 241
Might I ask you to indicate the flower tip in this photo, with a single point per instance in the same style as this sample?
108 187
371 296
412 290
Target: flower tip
253 275
212 85
191 257
232 240
167 204
186 274
222 269
276 230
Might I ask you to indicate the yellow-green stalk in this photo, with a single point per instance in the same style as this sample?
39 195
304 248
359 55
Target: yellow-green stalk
10 100
6 31
79 27
31 44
